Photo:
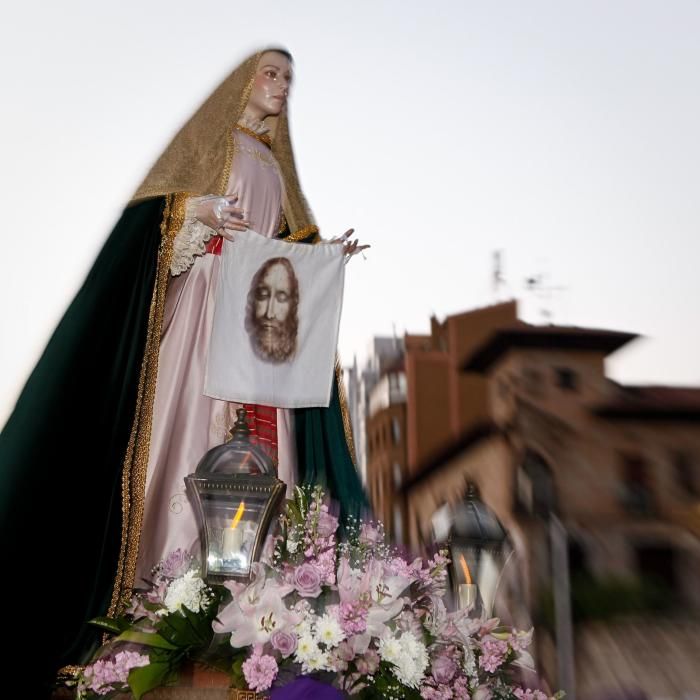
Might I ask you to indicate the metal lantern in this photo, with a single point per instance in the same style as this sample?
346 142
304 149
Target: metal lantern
477 543
237 494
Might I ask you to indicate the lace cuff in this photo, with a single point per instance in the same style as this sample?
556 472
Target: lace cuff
190 240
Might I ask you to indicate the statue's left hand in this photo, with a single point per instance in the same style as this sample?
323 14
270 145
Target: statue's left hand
350 247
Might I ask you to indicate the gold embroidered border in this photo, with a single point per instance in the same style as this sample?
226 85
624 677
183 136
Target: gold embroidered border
343 400
228 160
302 234
263 138
282 224
136 460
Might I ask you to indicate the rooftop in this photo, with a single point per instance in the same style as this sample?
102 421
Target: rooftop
525 335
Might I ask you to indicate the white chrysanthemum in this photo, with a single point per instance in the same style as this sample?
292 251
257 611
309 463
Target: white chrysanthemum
409 656
329 631
316 662
390 649
306 627
306 648
188 591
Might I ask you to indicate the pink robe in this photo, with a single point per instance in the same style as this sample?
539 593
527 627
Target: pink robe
186 423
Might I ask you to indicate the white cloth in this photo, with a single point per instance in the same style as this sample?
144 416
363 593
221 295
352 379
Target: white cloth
256 355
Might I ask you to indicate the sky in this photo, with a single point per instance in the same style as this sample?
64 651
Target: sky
562 133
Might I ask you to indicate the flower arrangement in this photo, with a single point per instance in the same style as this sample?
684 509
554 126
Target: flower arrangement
354 614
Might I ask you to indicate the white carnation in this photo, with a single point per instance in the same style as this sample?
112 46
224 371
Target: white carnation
188 591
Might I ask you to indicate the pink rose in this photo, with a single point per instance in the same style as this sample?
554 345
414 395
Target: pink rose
327 523
307 580
444 669
284 642
176 564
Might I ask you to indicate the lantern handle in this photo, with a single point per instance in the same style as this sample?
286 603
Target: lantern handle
240 429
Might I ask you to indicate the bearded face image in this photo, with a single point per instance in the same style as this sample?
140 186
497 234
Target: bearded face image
271 314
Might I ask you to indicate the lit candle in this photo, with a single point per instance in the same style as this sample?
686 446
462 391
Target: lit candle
233 536
466 591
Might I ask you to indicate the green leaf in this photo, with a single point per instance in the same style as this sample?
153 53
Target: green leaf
150 639
109 624
146 678
237 677
177 629
200 624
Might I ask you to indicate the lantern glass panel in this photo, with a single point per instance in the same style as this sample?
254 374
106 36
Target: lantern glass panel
236 494
233 524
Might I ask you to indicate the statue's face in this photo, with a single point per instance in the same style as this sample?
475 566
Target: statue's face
273 78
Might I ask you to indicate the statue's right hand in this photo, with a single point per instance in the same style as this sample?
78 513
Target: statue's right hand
221 214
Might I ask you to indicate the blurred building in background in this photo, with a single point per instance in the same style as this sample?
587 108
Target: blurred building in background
597 485
384 351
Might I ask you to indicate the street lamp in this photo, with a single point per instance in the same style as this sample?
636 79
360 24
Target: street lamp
237 494
476 540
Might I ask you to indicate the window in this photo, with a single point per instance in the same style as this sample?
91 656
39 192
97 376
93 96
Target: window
566 378
685 473
637 496
395 430
398 524
398 476
535 486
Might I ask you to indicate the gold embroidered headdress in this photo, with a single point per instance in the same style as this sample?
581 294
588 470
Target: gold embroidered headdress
199 158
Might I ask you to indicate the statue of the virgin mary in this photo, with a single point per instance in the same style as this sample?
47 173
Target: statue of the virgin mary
114 415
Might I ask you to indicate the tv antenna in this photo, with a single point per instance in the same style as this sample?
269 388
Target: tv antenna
545 293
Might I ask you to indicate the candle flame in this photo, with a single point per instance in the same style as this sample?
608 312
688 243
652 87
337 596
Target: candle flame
238 515
465 569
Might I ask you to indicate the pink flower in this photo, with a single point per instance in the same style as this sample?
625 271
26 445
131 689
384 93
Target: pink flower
493 654
352 617
345 651
327 523
369 663
260 670
256 610
176 564
443 668
284 642
105 675
307 581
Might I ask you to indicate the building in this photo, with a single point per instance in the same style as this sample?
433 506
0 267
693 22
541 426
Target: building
383 352
386 448
528 415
